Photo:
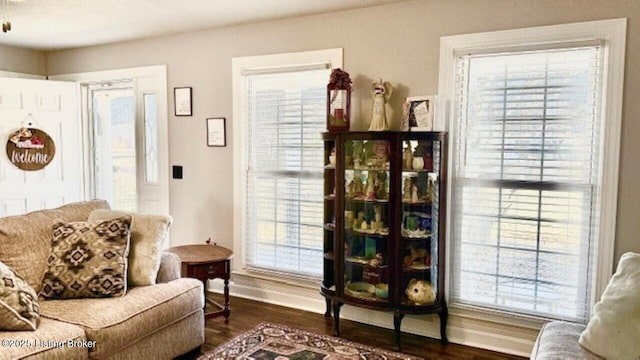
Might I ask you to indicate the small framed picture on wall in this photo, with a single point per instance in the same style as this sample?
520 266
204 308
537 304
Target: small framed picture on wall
182 101
216 132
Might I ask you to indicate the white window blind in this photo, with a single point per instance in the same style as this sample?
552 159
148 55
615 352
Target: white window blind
286 112
525 180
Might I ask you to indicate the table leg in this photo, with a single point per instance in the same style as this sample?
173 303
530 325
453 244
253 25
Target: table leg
227 310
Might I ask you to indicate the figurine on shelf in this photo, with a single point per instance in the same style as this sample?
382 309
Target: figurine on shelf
381 151
377 224
332 157
371 190
420 292
414 193
348 154
426 155
407 157
349 218
358 222
350 189
430 189
417 259
364 225
381 92
357 154
381 192
418 163
358 187
406 189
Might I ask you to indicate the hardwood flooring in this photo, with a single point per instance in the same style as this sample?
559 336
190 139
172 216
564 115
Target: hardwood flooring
246 314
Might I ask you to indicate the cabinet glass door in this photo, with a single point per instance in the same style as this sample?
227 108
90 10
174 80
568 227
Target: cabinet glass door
419 230
366 219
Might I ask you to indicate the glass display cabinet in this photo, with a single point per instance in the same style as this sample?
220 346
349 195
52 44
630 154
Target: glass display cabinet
384 221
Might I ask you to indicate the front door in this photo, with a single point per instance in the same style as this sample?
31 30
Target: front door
50 106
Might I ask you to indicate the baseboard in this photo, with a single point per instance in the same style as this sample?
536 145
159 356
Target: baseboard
460 330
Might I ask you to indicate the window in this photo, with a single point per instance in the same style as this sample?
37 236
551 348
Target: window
578 194
283 113
525 180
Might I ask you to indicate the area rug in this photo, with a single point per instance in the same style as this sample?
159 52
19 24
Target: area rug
269 341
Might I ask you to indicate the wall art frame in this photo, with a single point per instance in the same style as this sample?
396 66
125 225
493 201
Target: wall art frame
182 101
216 132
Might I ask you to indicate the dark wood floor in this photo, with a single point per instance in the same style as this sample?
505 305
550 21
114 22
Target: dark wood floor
246 314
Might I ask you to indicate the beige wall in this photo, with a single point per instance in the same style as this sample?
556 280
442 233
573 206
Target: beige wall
22 60
398 42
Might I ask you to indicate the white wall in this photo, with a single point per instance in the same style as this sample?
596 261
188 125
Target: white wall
22 60
398 42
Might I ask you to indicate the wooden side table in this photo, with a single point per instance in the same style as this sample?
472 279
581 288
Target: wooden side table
205 262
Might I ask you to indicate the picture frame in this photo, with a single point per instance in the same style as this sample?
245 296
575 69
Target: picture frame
216 132
182 103
419 113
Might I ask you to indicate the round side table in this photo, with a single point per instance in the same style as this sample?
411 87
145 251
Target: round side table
205 262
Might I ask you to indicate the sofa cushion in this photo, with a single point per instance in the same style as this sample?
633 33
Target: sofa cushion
25 240
19 309
115 323
148 234
48 342
614 329
88 260
559 340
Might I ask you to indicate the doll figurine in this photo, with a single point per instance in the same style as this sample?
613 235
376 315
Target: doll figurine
406 190
414 193
381 92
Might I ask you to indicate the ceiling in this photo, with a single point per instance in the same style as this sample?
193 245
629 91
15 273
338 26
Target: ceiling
61 24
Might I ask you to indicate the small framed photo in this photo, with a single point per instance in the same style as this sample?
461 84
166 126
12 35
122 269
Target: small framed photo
216 132
182 101
419 112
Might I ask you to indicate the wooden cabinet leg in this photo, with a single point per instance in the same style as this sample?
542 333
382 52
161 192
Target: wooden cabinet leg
444 314
336 318
397 324
327 313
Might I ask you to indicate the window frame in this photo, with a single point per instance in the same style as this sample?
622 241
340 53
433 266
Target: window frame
612 35
240 65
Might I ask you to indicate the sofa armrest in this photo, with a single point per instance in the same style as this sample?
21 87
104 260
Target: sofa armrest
169 268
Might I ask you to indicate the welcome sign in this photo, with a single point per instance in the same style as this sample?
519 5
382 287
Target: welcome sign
30 149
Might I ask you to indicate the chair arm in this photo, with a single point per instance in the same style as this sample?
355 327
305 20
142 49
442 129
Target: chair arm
169 268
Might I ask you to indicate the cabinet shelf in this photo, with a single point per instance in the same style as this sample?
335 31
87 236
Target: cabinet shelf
415 270
379 156
364 200
368 234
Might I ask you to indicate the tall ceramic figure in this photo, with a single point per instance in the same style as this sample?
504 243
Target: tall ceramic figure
381 92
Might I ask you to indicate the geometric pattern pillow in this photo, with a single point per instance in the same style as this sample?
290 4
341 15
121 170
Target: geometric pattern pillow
88 260
19 309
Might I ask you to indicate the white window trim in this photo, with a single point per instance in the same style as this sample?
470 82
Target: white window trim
240 137
612 33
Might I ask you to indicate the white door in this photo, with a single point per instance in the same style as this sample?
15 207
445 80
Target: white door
128 136
53 108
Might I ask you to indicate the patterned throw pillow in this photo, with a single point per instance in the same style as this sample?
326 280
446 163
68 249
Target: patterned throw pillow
19 309
88 260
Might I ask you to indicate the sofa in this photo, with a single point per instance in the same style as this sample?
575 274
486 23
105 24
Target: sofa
559 340
158 321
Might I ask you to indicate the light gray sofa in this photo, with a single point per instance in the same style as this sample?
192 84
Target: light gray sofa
559 340
160 321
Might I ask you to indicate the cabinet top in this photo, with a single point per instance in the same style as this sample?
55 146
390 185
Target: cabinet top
385 135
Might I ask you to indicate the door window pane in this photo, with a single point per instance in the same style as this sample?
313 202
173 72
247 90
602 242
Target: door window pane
115 147
151 137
